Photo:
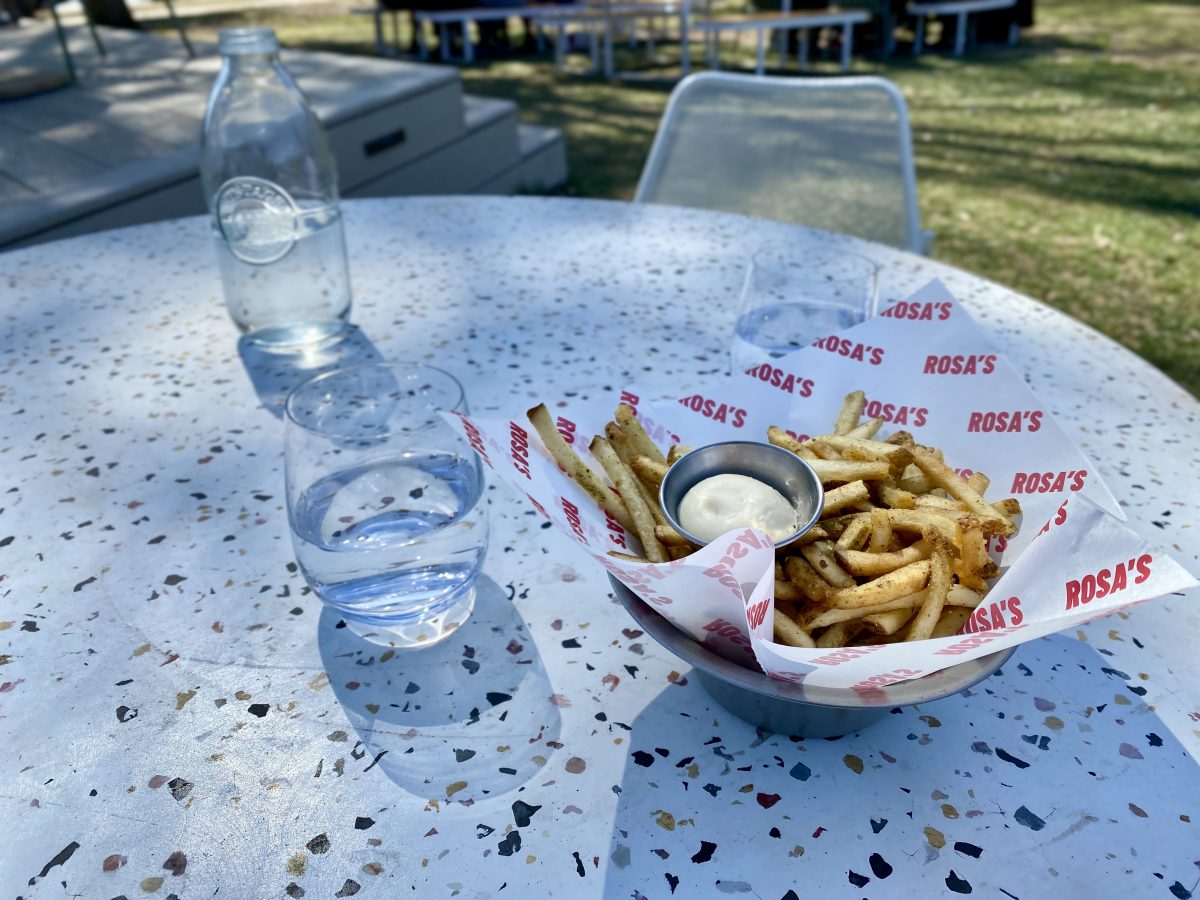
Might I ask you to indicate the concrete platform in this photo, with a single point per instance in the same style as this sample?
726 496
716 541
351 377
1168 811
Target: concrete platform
120 146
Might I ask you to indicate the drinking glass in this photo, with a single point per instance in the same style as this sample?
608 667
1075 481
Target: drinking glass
384 500
790 300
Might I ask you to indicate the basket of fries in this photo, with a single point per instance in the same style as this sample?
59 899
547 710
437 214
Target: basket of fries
918 561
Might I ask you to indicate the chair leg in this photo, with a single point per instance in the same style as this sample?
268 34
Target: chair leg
62 42
960 35
847 45
919 39
468 44
422 39
609 37
560 47
685 59
802 50
91 24
178 23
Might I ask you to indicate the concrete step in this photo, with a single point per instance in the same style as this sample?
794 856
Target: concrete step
542 167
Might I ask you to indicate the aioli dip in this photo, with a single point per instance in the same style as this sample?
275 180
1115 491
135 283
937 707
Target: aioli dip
725 502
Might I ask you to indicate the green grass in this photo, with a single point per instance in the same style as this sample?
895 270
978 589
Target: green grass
1067 167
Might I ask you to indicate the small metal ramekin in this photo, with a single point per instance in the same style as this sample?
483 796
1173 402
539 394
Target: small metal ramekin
774 466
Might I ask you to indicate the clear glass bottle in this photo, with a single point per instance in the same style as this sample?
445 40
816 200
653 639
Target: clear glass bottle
270 179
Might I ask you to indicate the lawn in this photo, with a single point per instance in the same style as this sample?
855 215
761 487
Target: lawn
1067 167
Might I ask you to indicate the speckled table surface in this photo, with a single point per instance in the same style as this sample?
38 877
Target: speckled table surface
180 718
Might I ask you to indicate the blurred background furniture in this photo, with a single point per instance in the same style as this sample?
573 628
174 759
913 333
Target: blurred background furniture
832 153
964 13
119 146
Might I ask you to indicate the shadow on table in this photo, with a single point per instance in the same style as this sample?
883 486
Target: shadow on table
463 720
275 373
1052 770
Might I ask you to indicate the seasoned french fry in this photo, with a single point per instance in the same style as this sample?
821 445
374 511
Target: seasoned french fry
915 481
1009 508
800 572
677 452
822 449
974 561
846 495
679 551
626 483
979 483
857 533
837 635
878 449
788 592
816 533
638 439
648 470
951 619
935 597
781 438
850 470
872 565
881 531
788 632
669 537
867 429
821 557
852 410
944 477
895 497
628 557
899 583
620 443
576 468
820 618
887 622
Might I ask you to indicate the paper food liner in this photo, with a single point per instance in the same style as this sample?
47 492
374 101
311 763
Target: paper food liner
926 368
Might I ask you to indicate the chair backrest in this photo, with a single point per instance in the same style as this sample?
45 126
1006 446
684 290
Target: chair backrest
832 153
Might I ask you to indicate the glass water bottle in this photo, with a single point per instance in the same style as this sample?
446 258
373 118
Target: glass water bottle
270 179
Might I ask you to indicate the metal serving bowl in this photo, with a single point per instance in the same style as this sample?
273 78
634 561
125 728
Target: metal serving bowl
804 710
773 466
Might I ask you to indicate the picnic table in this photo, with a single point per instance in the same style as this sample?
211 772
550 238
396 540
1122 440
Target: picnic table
182 718
800 20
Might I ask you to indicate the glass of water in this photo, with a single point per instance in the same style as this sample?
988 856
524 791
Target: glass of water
791 299
385 500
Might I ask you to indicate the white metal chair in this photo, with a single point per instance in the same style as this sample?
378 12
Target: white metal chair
832 153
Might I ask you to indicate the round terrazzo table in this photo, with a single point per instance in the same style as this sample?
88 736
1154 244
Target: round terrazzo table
180 718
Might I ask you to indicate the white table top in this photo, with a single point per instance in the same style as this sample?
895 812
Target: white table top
180 717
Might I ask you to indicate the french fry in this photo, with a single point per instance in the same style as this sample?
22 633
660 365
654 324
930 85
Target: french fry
648 470
974 561
821 618
979 483
820 556
867 429
677 452
881 531
620 443
878 449
857 533
800 572
944 477
788 592
951 619
626 483
576 468
669 537
1009 508
895 497
788 632
628 557
781 438
913 480
872 565
851 412
935 597
837 635
887 622
841 497
898 583
638 439
850 470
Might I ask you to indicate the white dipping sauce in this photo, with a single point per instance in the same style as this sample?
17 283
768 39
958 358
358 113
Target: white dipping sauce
725 502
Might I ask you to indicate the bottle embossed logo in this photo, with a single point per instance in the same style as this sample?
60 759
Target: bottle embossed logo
258 219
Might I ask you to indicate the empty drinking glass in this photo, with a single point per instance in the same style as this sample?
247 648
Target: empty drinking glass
791 299
385 500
